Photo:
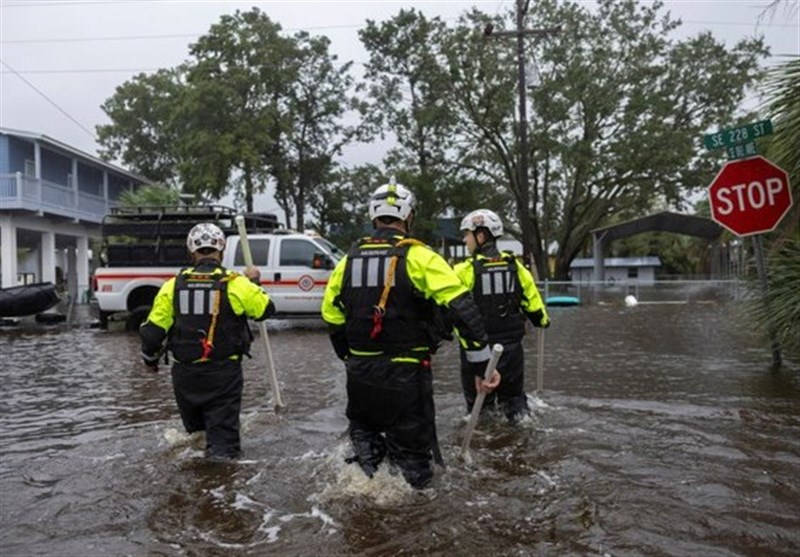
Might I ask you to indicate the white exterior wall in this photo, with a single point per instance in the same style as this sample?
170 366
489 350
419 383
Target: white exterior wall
646 275
43 260
8 252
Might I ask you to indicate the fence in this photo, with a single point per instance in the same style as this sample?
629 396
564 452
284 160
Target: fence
663 291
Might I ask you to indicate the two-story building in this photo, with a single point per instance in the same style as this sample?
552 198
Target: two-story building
53 198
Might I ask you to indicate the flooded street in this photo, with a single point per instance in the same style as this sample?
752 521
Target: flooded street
661 431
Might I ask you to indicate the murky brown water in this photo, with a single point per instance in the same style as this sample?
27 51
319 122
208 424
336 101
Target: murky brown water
661 431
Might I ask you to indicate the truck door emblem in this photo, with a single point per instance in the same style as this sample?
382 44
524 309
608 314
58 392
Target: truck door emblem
305 283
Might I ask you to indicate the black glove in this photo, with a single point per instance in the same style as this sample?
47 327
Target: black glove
339 342
538 319
151 362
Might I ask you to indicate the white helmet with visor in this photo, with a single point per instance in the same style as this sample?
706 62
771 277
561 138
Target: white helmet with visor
392 200
205 235
483 218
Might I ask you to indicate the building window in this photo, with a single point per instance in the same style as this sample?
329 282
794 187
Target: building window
633 272
30 168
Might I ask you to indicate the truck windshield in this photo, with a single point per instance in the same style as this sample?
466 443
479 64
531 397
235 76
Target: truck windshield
332 248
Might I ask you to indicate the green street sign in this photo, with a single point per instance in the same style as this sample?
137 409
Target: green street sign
736 136
741 151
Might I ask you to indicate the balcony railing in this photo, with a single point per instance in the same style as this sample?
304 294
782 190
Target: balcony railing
21 192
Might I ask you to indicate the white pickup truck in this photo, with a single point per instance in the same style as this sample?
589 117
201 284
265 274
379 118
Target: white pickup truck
294 266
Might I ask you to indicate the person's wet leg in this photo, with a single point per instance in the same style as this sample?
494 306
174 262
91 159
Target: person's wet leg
369 448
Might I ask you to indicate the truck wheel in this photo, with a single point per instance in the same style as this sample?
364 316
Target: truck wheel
102 319
135 317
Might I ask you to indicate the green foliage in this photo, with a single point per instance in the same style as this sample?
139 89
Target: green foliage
408 85
681 256
779 308
309 131
783 89
143 133
615 124
235 83
249 107
341 204
154 195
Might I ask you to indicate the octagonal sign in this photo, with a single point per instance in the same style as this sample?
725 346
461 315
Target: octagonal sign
750 196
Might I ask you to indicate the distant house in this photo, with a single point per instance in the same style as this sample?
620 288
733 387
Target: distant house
53 198
641 270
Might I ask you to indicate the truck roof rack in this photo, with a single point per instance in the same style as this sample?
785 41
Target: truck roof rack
156 235
173 222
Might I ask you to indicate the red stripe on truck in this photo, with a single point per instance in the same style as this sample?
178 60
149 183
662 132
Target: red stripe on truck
105 277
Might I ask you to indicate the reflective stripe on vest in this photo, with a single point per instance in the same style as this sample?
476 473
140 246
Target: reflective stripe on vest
498 280
498 294
370 270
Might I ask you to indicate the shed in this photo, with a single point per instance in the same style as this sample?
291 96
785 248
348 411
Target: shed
641 270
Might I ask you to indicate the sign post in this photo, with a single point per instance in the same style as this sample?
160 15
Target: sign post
750 197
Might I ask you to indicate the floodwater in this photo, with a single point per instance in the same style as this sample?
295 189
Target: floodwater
661 431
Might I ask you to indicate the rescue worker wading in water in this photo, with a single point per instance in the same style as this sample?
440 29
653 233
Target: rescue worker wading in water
202 315
383 303
506 294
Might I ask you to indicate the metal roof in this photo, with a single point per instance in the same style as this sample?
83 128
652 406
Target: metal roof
588 262
46 140
665 221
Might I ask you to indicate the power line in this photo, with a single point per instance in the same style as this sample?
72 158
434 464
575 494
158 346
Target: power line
93 39
87 70
317 28
73 3
158 37
48 99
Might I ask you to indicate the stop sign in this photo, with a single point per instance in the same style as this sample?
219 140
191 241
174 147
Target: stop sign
750 196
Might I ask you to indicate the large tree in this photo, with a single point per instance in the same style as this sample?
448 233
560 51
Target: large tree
407 88
341 204
241 70
251 106
309 131
143 134
614 125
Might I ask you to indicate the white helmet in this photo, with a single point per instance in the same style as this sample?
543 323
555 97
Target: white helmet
483 218
205 235
392 200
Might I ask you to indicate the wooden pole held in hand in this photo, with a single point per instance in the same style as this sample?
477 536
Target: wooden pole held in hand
262 327
497 350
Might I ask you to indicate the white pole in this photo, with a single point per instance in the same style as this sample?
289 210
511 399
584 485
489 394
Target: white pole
497 350
540 361
539 335
262 327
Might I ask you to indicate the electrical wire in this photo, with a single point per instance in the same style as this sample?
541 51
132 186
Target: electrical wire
48 99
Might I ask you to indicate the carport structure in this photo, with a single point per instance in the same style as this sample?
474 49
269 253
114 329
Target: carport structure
665 221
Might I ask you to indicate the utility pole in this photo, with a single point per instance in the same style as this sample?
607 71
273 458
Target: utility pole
522 171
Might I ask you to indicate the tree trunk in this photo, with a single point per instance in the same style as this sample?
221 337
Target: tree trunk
248 189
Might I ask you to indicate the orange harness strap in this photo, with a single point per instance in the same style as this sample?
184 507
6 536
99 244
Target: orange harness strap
208 341
379 310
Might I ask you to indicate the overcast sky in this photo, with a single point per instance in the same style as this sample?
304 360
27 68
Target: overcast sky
61 59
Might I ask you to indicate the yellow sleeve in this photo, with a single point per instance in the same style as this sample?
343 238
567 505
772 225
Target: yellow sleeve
162 314
332 310
247 298
432 276
531 299
466 273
